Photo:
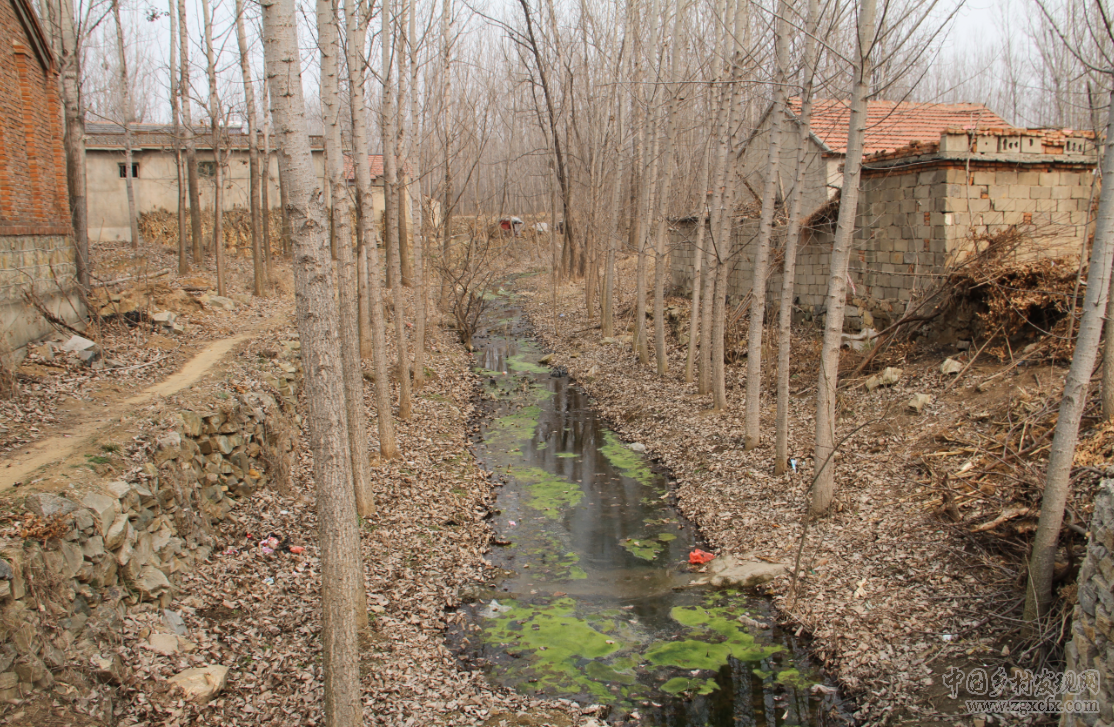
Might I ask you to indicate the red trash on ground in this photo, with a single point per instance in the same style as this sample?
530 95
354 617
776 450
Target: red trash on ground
699 557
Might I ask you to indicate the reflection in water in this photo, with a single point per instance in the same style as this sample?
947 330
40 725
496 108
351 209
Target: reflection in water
594 606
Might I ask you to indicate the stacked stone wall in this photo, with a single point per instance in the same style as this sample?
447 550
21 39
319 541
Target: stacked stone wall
1092 643
66 588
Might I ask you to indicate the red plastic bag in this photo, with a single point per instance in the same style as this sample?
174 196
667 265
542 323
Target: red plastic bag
699 557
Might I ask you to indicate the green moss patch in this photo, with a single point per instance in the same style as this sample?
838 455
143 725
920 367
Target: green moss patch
629 463
718 636
513 429
519 362
676 685
549 493
558 651
644 549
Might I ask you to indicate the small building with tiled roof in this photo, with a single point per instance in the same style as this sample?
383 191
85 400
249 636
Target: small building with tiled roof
890 126
938 180
155 173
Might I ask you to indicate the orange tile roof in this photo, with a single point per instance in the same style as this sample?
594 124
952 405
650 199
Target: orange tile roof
376 161
892 125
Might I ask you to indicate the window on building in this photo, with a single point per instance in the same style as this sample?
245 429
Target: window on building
135 170
207 169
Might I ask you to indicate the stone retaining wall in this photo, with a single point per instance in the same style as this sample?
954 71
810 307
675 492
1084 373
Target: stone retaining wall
65 591
1092 643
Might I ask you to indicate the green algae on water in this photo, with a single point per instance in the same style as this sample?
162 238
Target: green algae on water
676 685
549 493
644 549
557 649
518 362
717 637
628 462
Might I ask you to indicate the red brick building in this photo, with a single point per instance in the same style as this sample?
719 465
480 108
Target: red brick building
36 236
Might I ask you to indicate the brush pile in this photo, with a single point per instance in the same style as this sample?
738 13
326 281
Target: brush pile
160 227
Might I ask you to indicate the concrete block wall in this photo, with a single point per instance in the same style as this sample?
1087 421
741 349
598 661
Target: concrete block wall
46 265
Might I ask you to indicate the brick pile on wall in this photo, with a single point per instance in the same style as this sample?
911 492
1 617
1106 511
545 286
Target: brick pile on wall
63 599
1092 643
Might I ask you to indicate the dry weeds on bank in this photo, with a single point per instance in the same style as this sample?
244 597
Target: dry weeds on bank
892 593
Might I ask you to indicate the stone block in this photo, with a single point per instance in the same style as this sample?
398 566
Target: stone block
1040 192
105 509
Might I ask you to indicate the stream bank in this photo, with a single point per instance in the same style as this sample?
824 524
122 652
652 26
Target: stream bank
594 601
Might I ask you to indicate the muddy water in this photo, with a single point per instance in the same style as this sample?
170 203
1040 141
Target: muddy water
593 605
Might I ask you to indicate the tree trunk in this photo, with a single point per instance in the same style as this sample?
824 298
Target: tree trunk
74 140
125 114
265 186
218 166
341 570
183 256
1057 488
356 32
253 153
390 215
665 195
346 264
753 416
187 133
823 488
695 327
412 153
793 232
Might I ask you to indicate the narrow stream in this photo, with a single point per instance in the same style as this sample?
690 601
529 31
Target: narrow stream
593 604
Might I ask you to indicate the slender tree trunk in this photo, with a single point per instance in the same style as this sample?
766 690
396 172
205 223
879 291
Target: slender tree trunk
218 165
405 213
253 153
793 232
187 133
317 313
346 264
390 215
641 345
183 253
665 196
753 416
695 326
447 182
356 32
412 152
74 139
720 223
265 186
607 306
823 488
1057 488
125 113
287 231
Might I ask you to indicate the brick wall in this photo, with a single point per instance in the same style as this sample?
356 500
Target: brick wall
913 221
36 247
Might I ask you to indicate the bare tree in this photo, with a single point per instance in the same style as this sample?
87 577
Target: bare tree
179 162
390 212
823 486
369 254
184 89
318 317
345 262
70 62
793 231
129 169
218 163
253 153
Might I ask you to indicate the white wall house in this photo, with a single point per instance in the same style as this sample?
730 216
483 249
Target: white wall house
155 181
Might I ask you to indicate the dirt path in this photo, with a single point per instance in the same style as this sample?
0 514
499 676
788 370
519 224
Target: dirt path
72 439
